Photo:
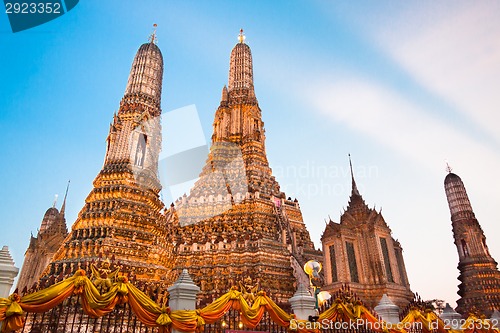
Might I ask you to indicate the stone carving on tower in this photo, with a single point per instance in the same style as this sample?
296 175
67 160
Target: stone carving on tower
361 252
49 238
236 223
479 289
122 219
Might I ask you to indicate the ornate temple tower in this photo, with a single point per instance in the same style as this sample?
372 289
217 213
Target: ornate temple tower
479 276
236 223
42 248
122 219
360 251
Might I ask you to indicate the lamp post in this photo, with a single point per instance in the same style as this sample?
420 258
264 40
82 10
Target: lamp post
312 269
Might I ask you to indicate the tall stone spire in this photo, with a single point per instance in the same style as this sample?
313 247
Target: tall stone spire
121 220
458 200
238 124
479 276
240 86
236 223
354 186
147 72
134 138
357 206
240 66
63 206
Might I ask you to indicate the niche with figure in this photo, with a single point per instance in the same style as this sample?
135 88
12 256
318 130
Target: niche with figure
140 150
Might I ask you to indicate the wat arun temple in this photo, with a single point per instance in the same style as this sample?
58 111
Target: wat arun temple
235 228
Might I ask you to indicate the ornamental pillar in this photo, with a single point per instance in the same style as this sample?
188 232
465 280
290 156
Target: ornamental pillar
451 317
387 310
7 272
303 304
183 294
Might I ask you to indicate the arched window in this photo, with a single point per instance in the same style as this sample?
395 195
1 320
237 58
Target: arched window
108 146
333 263
387 261
351 259
256 124
465 249
140 151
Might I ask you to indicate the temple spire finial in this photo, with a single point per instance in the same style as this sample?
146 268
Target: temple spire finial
449 169
146 73
354 186
55 200
152 38
241 71
241 37
63 207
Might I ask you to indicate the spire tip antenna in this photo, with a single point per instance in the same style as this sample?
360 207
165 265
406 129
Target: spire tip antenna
449 169
241 37
152 38
63 207
350 165
354 186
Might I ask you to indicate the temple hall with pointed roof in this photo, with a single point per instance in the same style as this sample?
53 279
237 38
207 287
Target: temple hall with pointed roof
361 252
43 246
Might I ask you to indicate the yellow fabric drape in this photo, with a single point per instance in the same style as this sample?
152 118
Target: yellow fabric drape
11 313
429 320
151 314
147 311
338 311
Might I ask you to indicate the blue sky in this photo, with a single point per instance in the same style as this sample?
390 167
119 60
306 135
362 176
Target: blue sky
400 86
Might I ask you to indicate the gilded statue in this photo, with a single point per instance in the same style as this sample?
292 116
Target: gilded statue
103 278
249 290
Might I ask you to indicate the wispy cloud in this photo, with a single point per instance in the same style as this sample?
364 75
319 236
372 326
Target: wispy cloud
455 54
387 117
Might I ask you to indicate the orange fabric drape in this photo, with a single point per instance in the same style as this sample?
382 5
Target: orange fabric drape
49 304
11 313
143 307
151 314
